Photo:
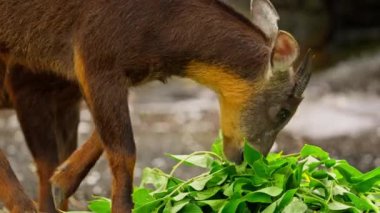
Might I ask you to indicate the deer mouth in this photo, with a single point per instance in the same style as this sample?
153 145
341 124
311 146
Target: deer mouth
264 143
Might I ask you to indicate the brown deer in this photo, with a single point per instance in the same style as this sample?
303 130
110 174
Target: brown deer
51 48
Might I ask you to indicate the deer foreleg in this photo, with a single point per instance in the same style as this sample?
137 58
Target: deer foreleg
11 191
70 174
105 89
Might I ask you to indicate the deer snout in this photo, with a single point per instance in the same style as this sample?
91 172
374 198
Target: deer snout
233 150
264 143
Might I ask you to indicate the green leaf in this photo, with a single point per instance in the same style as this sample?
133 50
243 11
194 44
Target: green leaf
217 146
148 207
179 205
220 176
239 183
295 206
321 186
168 207
203 161
228 189
314 200
279 180
242 208
251 155
261 169
231 206
173 182
338 206
347 171
360 203
259 181
274 166
274 157
310 150
281 203
367 180
339 190
329 163
206 194
319 174
373 200
191 208
367 185
100 205
272 191
200 183
286 199
154 177
257 197
214 204
217 179
180 196
295 177
313 166
142 196
271 208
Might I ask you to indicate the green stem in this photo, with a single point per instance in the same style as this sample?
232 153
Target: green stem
291 155
185 183
189 181
191 155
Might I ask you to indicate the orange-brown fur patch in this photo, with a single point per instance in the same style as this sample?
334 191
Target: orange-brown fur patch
221 80
233 92
80 70
131 161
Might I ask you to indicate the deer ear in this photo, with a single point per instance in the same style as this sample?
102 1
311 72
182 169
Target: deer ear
286 51
265 17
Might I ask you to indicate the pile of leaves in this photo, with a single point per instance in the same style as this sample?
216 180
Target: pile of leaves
309 181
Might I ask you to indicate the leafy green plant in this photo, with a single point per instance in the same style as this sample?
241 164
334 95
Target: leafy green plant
309 181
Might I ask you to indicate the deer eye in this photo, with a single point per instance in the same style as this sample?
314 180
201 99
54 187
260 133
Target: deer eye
283 115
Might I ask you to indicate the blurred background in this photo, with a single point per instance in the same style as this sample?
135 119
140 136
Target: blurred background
341 111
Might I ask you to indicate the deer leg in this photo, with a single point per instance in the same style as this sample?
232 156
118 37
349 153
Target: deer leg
106 94
112 120
67 120
33 97
69 175
66 129
11 191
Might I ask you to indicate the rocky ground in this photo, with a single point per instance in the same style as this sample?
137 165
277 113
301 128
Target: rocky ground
340 113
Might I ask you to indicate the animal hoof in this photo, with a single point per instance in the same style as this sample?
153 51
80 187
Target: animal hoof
58 196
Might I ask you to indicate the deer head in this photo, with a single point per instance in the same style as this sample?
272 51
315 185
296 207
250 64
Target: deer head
277 95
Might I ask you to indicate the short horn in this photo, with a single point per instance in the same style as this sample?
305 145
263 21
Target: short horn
303 75
264 16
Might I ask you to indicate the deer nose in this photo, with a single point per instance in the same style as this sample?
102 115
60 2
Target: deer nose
233 149
238 159
235 156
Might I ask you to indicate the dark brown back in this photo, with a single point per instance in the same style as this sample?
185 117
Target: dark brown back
146 38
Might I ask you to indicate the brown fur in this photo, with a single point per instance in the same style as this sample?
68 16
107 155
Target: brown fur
48 110
106 47
11 192
69 175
